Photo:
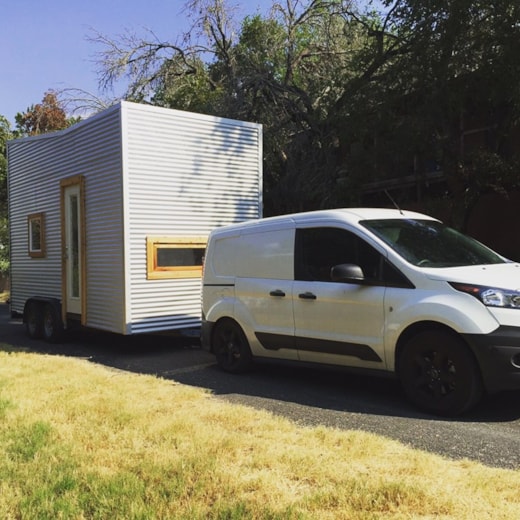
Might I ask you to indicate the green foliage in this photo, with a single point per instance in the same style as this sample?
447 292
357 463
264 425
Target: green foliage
347 97
5 135
5 405
24 444
188 88
44 117
4 245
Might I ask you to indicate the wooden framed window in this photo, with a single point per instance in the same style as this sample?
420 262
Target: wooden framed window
36 235
174 257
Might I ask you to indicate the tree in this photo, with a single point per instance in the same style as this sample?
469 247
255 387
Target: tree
5 135
346 96
284 71
47 116
437 69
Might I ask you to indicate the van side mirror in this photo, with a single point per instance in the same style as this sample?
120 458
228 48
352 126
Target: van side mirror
347 273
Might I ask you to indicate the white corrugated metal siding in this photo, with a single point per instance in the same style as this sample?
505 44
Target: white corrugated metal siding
32 189
36 167
148 172
185 174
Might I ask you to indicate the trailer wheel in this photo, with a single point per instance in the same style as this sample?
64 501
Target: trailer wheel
231 347
52 324
33 320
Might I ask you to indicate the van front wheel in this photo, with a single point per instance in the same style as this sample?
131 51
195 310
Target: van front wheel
439 373
231 347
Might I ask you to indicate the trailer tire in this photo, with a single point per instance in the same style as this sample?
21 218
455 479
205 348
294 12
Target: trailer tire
33 319
52 324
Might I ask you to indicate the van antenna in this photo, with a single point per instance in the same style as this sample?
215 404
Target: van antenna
394 202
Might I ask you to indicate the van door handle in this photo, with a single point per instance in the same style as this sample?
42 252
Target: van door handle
277 292
307 296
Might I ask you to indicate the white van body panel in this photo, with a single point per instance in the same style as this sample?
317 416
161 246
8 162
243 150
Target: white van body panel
280 294
263 313
342 313
267 254
499 275
261 262
458 311
258 258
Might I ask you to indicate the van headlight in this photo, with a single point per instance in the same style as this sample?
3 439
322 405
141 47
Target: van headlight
491 296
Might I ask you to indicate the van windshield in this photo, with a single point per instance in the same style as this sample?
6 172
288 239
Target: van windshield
428 243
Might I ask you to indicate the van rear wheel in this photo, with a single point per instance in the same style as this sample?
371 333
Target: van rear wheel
231 347
439 373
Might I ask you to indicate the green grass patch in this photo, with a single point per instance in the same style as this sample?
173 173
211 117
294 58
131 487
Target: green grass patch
80 441
24 443
5 404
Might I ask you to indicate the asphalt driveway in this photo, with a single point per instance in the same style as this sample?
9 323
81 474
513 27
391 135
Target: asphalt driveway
490 434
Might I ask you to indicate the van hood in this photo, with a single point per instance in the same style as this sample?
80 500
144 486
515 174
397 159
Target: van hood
504 276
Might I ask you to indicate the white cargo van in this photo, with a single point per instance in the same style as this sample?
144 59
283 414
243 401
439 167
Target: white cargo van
391 291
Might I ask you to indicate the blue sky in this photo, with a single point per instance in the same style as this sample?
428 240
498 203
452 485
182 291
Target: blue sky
44 43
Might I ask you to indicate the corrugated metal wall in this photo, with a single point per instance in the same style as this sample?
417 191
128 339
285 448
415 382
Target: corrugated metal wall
148 172
104 224
185 174
36 167
33 188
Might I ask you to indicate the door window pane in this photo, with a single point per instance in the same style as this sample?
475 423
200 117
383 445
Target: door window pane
74 244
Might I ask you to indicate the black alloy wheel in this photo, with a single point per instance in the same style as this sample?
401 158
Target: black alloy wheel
231 347
440 374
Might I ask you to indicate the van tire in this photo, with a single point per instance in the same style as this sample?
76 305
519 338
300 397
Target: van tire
439 373
231 348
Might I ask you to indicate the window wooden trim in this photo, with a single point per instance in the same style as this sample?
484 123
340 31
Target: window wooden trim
31 220
155 272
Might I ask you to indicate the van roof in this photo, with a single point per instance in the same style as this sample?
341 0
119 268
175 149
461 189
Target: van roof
349 215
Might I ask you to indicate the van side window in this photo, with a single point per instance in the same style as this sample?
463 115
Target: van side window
319 249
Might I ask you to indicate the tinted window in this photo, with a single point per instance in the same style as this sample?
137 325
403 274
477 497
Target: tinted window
319 249
177 257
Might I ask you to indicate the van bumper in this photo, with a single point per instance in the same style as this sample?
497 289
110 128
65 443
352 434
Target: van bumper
205 334
498 355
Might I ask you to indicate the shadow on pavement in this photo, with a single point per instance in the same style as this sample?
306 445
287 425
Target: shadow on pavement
180 358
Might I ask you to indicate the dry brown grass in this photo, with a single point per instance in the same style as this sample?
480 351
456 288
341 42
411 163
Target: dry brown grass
82 441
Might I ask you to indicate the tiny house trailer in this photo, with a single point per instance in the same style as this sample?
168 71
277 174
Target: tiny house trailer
109 218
